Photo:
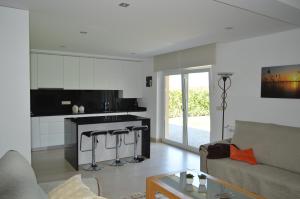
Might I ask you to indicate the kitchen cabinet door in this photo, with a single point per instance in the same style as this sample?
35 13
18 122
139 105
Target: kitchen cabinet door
50 71
71 72
133 80
35 133
108 74
33 72
52 131
86 73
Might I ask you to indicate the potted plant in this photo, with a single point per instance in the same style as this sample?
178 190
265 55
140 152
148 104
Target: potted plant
189 178
202 179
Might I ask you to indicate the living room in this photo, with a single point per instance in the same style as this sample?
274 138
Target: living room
130 77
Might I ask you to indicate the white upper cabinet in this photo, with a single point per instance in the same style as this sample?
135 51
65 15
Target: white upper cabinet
133 80
108 74
50 71
71 72
86 73
33 72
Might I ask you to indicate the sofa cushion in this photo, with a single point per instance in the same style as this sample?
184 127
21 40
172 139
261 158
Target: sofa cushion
73 188
17 178
268 181
272 144
90 182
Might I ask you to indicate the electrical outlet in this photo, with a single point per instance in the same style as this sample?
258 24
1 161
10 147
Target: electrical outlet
66 102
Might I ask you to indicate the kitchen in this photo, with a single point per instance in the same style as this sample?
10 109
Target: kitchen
70 85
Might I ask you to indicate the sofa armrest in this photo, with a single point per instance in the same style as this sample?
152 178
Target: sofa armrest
203 153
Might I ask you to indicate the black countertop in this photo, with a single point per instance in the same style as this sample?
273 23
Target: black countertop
139 109
106 119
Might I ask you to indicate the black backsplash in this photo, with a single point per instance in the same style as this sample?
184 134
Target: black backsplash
48 102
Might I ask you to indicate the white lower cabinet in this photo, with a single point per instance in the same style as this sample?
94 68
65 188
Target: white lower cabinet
35 133
48 131
52 140
51 131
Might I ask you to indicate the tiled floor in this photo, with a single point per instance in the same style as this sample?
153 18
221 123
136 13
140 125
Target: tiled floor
198 130
117 181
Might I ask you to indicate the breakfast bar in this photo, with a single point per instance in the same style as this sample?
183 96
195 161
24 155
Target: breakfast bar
78 147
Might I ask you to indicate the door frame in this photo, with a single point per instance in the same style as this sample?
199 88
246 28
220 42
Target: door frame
184 86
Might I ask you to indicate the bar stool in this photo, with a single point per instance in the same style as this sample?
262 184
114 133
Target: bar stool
94 134
136 130
117 133
87 134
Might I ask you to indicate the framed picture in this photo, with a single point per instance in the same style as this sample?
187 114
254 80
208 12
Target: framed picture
149 81
280 81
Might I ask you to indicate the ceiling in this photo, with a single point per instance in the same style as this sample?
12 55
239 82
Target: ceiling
151 27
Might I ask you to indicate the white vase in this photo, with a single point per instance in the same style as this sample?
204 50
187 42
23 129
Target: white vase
189 180
202 188
81 109
75 109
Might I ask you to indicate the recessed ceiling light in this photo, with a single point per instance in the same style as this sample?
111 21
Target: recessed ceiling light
228 28
83 32
124 5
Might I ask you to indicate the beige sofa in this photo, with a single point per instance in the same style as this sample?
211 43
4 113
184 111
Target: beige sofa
277 150
18 180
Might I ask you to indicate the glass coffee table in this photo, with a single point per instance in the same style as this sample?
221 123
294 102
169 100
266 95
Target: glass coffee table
178 186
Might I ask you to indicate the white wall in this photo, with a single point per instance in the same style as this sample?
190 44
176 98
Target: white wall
149 95
245 58
14 81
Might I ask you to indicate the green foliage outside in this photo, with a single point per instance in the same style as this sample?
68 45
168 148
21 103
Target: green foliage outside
198 103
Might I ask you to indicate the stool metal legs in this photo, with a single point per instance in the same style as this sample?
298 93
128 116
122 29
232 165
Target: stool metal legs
93 166
135 159
117 161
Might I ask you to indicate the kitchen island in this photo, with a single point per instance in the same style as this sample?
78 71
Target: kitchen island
75 126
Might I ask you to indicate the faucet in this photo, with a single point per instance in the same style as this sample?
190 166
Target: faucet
106 106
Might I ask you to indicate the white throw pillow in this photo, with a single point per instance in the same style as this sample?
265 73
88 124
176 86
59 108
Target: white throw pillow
73 188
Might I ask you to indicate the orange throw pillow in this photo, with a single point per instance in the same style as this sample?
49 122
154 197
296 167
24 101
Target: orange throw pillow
246 155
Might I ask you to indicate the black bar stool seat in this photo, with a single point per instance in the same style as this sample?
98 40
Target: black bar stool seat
86 133
136 130
94 134
118 133
104 132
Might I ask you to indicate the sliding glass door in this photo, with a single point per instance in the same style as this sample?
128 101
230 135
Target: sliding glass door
187 112
173 110
198 116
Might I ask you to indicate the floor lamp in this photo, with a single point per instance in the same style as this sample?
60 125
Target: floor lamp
224 83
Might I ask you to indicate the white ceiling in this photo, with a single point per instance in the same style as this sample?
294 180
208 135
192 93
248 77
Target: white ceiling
150 27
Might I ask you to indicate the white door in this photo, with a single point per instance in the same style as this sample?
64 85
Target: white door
50 71
132 80
187 110
71 72
86 73
108 74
